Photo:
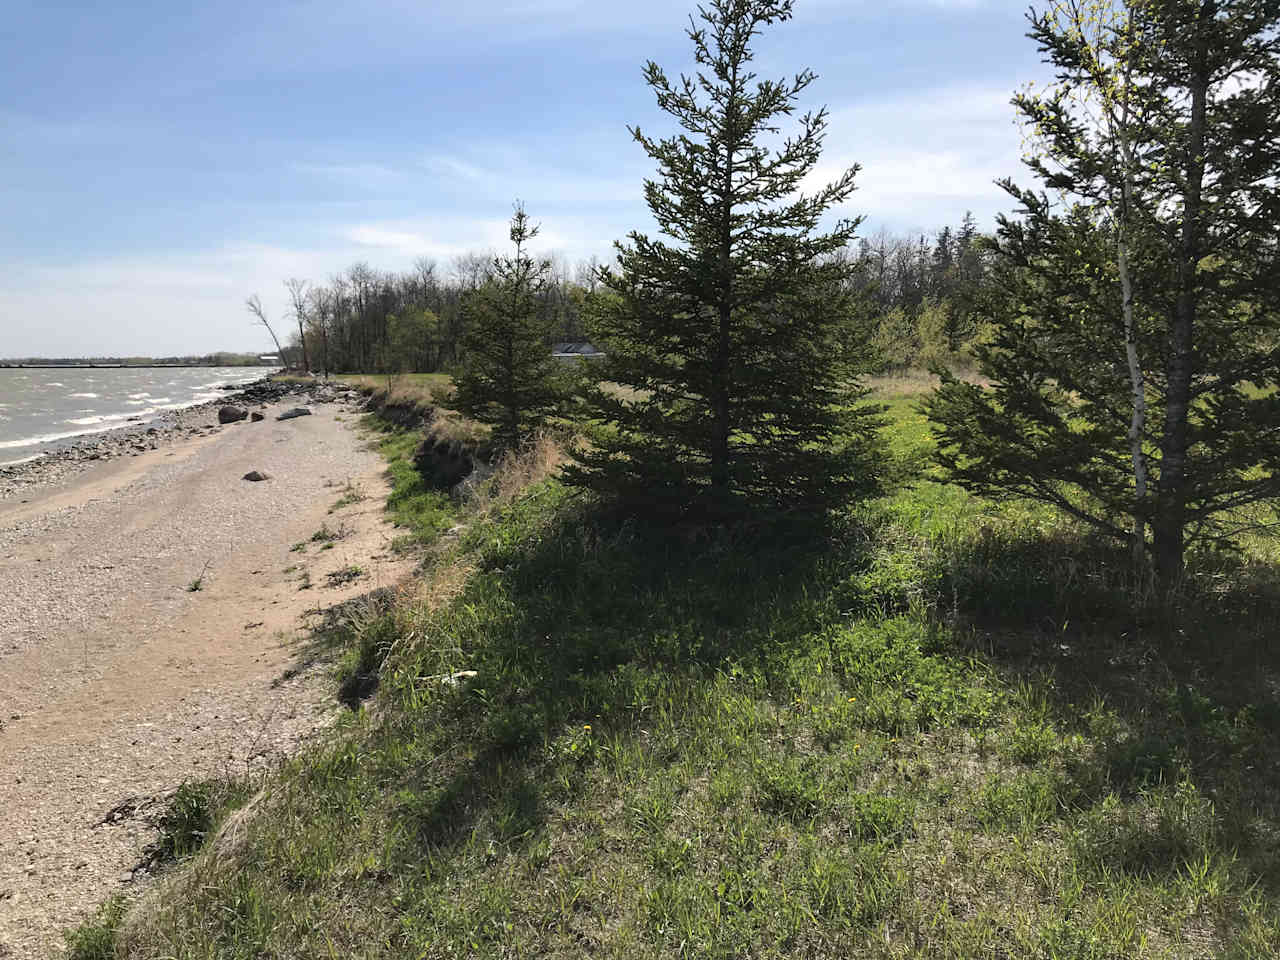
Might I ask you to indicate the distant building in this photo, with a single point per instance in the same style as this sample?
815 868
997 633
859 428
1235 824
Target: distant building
573 350
270 360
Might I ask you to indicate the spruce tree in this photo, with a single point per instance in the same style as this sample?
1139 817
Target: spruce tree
508 376
733 339
1135 364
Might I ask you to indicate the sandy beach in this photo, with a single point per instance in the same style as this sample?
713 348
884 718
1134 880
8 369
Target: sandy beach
118 682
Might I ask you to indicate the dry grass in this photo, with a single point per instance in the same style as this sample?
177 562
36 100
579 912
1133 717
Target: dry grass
520 469
423 390
456 430
914 382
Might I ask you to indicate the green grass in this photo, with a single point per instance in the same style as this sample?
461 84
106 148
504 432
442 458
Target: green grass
935 726
423 513
96 938
191 815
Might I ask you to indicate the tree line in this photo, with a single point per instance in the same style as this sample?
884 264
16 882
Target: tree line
364 320
1125 320
922 289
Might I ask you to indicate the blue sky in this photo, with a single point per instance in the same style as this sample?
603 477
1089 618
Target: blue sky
161 161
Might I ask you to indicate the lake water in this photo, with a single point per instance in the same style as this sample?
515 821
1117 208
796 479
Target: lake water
40 409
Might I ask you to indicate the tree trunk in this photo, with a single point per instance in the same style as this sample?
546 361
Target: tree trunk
1171 520
720 436
720 473
302 340
1138 423
1137 381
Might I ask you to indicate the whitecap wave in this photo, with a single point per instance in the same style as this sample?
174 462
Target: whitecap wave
139 396
82 396
109 417
51 437
14 463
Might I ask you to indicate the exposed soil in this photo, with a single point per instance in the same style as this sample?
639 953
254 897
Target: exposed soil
118 681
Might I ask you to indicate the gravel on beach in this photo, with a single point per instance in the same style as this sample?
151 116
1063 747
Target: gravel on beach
63 460
118 680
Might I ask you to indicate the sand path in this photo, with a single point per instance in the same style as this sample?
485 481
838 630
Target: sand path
117 682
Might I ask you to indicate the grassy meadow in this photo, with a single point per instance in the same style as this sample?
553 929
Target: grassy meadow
934 726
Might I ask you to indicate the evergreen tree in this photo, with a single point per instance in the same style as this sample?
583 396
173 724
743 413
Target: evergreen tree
508 377
734 340
943 261
1135 365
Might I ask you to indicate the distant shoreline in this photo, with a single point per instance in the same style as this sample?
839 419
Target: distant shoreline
123 366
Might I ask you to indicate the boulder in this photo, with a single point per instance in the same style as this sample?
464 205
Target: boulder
232 414
295 412
257 476
256 417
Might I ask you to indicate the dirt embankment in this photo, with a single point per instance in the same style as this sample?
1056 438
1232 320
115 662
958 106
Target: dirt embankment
150 619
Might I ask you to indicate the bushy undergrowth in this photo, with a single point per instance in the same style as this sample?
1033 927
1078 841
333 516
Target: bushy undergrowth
933 726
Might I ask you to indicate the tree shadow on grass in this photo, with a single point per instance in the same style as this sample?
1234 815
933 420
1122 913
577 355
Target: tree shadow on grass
581 622
1189 687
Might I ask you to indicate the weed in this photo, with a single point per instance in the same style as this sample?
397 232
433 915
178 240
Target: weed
352 493
196 585
345 575
190 816
327 535
95 939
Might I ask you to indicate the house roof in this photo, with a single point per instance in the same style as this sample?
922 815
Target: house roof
574 349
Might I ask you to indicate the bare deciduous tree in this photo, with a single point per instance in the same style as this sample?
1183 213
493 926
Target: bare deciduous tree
254 305
298 298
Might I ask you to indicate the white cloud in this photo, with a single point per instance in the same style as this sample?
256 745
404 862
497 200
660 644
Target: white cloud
194 303
165 304
926 158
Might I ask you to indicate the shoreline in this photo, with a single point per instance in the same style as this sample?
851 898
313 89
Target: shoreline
121 680
69 456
